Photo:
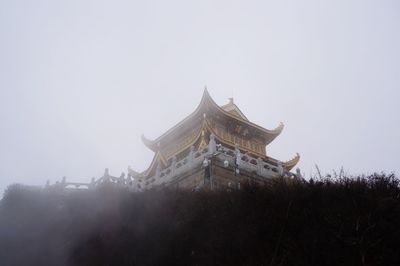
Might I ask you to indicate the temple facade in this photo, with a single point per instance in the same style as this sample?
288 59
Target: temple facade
215 147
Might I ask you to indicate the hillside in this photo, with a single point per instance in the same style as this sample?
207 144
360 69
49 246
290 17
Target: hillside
327 222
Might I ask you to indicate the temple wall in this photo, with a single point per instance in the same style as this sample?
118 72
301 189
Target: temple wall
192 181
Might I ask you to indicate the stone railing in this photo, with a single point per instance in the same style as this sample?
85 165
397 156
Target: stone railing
104 180
242 162
230 157
167 175
250 164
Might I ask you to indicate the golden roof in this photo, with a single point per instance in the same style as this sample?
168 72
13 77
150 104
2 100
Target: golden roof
207 105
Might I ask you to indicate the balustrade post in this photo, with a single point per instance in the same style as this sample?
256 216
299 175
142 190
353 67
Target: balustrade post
280 168
212 145
259 166
191 156
173 166
122 179
158 170
238 156
298 173
106 176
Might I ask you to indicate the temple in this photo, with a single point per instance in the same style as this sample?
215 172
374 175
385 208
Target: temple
214 147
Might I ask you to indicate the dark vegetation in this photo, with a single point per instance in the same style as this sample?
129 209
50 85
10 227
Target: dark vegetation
326 222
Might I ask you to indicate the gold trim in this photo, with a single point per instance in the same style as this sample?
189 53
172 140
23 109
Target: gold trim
206 100
229 142
158 158
192 139
292 162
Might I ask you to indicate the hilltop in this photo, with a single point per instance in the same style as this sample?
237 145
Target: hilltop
332 221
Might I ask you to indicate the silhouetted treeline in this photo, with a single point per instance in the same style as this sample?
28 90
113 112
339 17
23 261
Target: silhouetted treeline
326 222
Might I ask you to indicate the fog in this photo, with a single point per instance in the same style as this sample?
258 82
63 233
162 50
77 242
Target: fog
284 223
80 81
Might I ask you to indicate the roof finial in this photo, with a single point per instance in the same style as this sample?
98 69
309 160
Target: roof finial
231 100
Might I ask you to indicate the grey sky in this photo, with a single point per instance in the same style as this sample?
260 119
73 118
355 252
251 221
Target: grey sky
80 81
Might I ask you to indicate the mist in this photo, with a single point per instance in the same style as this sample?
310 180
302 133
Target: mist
327 221
80 81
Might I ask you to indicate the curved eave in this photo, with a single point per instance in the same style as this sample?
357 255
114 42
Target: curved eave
148 143
152 144
157 159
292 162
269 135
